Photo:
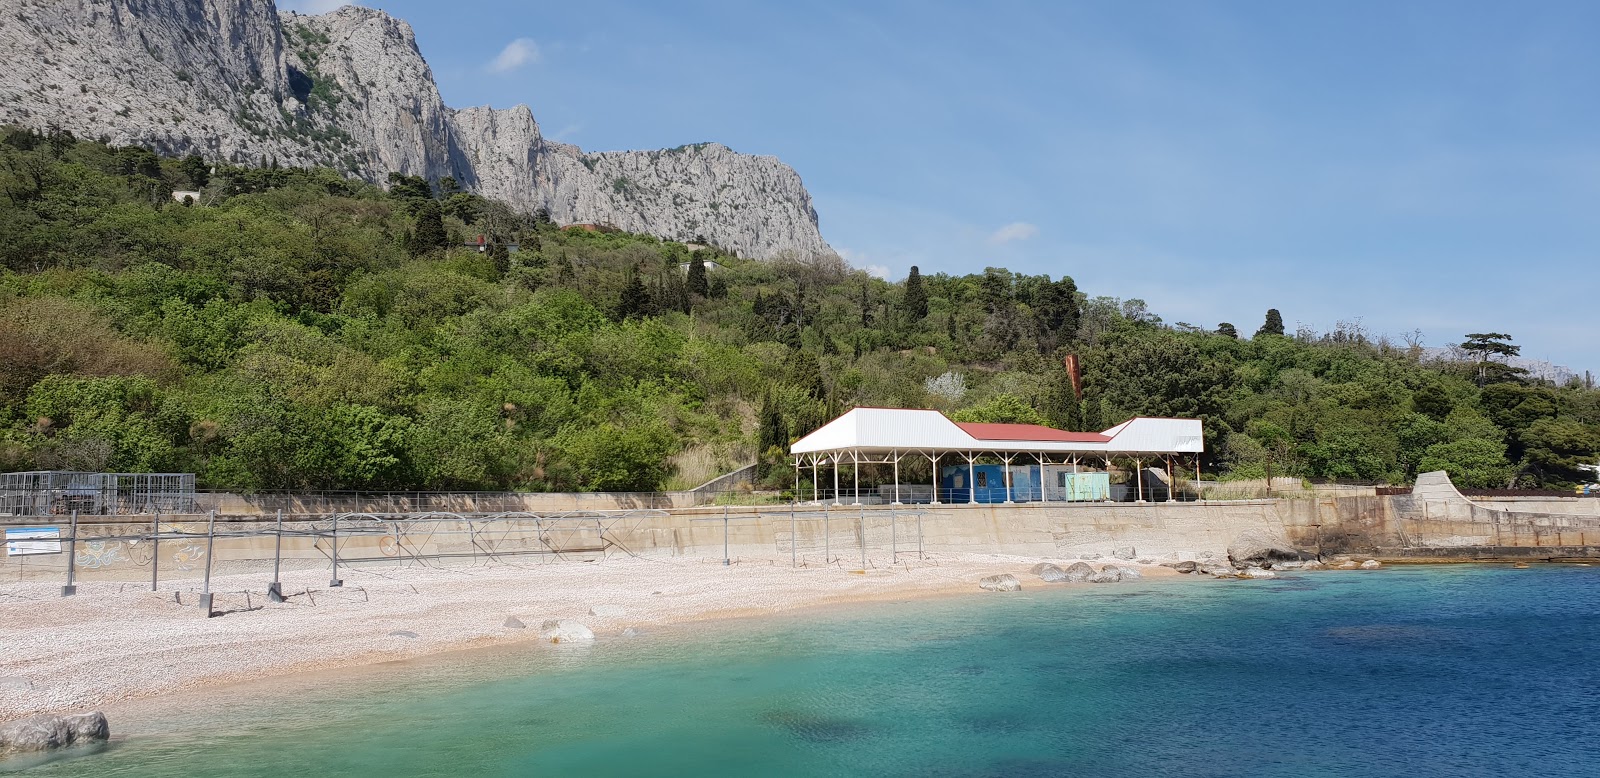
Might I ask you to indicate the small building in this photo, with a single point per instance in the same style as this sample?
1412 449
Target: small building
1020 462
180 195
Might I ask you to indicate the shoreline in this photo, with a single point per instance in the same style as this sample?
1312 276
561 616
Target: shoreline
110 648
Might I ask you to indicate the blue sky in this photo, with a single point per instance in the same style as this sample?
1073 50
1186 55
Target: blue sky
1419 165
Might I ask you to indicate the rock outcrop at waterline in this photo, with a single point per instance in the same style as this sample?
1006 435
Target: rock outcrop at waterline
236 81
45 732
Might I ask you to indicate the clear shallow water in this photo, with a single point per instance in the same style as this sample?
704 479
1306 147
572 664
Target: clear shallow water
1423 671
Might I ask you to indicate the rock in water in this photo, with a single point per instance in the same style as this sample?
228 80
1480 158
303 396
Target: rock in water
566 631
1107 574
512 622
1255 548
43 733
1049 572
1257 572
1348 564
608 611
1004 582
1124 552
1129 573
1371 564
1079 572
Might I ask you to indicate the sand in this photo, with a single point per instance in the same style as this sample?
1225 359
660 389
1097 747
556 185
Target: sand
115 642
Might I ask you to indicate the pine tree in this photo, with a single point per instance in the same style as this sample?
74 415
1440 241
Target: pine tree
635 301
1273 324
915 301
698 284
719 288
1227 330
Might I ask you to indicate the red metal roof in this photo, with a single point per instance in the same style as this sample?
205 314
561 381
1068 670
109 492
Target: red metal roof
1029 432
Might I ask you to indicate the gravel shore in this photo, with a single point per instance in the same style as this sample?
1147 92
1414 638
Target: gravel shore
120 641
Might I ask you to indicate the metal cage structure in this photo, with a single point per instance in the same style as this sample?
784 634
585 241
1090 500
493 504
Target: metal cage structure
60 492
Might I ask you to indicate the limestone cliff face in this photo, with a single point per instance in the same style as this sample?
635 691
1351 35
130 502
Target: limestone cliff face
235 80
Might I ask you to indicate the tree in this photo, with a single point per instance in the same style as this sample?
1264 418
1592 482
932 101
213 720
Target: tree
635 301
914 302
1001 409
1273 325
1484 347
428 234
195 169
501 257
772 433
698 285
1227 330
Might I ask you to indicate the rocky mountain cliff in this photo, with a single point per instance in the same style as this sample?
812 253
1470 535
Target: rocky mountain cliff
238 81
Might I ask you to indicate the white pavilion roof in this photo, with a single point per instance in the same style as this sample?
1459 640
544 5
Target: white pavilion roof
874 430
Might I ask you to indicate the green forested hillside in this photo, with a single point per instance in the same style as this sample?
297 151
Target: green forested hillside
292 329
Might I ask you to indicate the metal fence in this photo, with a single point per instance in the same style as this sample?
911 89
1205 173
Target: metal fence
60 492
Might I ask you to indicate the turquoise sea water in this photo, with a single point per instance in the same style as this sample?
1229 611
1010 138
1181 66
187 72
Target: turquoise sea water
1444 671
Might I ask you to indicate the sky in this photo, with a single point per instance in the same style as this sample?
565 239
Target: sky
1429 166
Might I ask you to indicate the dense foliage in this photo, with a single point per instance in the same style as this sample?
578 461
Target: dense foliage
295 329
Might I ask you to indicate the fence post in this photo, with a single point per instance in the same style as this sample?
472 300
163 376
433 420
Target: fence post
724 536
919 536
205 588
863 539
794 540
155 550
335 582
275 589
827 550
894 535
72 558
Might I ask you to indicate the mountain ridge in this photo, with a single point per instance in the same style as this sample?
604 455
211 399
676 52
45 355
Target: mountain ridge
240 81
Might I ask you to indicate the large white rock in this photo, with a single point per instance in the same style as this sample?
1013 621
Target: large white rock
1049 572
1005 582
565 631
46 732
1371 564
608 611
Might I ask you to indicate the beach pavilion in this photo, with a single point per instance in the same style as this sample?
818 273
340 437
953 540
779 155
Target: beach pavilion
888 436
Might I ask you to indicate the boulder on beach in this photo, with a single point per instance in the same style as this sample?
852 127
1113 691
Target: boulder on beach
1091 557
1049 572
1107 574
566 631
1313 565
1371 564
1124 552
1004 582
1348 564
46 732
608 611
1257 572
1257 548
1183 567
1079 572
512 622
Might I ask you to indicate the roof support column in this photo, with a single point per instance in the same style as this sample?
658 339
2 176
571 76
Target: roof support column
972 481
1138 472
896 455
1008 477
836 479
855 474
1044 492
1198 492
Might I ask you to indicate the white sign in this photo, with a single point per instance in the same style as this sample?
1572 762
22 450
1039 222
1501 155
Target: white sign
33 540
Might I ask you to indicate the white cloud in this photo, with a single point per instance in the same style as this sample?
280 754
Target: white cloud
1014 231
313 6
516 54
860 261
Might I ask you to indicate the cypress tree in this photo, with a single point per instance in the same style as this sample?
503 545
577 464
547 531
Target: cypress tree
1273 324
698 285
429 233
915 302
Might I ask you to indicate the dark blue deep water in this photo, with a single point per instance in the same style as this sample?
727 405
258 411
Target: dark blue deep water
1444 671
